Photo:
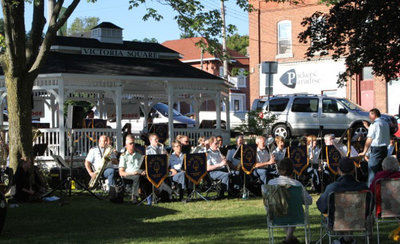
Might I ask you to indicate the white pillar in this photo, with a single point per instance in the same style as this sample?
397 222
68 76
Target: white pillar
170 112
218 109
196 108
228 114
118 113
61 126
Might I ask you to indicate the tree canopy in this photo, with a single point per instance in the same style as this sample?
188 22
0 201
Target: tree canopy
81 25
364 32
238 43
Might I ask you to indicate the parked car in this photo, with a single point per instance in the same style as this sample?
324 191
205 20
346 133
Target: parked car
304 114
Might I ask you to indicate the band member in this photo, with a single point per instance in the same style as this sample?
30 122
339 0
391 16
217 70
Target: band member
155 147
265 163
313 156
176 167
201 145
220 140
234 163
93 160
183 139
129 166
217 165
280 150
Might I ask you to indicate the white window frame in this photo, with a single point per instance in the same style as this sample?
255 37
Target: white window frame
289 39
242 101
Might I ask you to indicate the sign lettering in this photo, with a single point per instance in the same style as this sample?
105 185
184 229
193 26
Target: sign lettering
119 53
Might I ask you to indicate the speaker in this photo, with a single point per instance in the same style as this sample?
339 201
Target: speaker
75 116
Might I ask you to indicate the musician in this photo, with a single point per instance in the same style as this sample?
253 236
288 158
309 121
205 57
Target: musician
217 166
130 166
220 140
234 163
176 167
280 150
313 156
183 139
378 139
155 147
201 145
265 163
93 161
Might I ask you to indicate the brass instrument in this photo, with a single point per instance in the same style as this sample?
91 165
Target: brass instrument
99 171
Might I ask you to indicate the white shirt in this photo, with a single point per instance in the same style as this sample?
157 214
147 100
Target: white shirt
150 150
279 154
214 157
262 155
379 132
94 157
315 154
176 162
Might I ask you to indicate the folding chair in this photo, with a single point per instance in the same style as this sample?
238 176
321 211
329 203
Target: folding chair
296 216
349 214
387 199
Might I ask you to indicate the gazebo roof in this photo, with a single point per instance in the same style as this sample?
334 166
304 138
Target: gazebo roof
122 66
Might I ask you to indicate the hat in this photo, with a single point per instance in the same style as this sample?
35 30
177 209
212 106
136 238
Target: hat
346 165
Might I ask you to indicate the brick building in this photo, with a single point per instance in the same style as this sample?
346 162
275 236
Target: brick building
273 33
192 55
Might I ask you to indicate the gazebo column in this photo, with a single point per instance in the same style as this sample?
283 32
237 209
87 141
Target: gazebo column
218 110
170 112
61 126
228 113
196 107
118 113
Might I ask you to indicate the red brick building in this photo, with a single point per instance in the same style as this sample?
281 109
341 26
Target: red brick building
192 54
273 33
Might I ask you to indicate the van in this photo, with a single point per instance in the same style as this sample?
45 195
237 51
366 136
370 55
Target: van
158 115
304 114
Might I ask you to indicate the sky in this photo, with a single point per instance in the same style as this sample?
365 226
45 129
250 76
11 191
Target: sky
117 12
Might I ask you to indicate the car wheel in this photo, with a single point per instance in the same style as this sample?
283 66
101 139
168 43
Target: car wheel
281 130
360 129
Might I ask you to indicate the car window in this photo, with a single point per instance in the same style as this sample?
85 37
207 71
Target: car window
260 104
305 105
329 106
278 104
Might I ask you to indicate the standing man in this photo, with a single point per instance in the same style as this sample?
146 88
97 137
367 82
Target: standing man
378 139
93 161
129 166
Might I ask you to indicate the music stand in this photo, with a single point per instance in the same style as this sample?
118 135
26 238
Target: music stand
70 178
194 195
246 193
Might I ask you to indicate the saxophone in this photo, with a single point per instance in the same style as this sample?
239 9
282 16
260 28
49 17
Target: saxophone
99 171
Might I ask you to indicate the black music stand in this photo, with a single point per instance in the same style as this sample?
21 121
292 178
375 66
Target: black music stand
70 177
194 195
246 193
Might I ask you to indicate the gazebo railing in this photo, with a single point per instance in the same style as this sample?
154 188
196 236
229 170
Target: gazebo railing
195 134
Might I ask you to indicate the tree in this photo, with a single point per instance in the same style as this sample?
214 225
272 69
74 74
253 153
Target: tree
365 32
152 40
81 25
238 43
21 61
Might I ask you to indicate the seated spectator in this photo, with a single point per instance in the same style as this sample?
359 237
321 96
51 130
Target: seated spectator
285 169
390 170
346 182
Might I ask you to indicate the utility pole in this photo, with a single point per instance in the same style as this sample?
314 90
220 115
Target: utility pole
224 53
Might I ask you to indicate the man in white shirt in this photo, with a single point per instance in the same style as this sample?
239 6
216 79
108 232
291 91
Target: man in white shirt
378 139
93 161
265 163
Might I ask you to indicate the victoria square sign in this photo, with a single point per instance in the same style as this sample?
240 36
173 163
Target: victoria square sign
119 53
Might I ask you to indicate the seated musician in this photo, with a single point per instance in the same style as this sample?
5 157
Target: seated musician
176 167
313 156
183 139
94 158
234 163
201 145
220 140
280 150
130 166
265 163
217 166
155 147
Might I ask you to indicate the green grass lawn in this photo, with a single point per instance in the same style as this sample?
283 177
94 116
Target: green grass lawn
84 219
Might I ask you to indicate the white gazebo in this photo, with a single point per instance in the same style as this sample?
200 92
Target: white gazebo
105 70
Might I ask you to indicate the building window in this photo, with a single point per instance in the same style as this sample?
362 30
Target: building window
236 105
285 38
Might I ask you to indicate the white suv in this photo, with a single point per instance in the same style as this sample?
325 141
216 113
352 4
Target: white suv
298 115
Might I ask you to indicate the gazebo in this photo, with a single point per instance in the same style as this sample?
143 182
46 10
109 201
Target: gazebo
105 70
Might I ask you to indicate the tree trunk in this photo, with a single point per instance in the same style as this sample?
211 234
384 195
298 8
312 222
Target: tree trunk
19 89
